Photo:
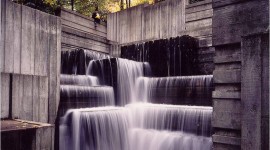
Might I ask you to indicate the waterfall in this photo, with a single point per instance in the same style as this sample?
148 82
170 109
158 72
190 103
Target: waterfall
116 104
137 127
176 90
101 128
76 61
102 69
190 119
167 140
78 80
128 72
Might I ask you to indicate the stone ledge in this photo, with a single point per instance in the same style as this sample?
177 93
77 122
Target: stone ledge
226 140
227 58
199 3
17 125
226 95
228 76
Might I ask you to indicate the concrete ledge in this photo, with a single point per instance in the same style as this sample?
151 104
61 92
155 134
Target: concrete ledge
226 95
17 124
226 140
199 3
28 135
227 59
94 37
80 15
222 3
228 76
226 114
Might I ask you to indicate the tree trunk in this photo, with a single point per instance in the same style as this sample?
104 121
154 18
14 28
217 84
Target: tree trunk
121 4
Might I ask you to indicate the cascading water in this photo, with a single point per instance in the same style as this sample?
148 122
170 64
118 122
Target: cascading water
79 89
78 80
137 127
176 90
190 119
136 124
76 61
128 72
101 128
167 140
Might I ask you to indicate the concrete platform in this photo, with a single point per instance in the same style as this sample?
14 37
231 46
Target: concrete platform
21 135
16 125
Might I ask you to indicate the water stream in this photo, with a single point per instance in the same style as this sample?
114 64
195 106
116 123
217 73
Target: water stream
136 123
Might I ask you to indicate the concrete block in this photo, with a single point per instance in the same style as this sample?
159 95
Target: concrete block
5 95
227 76
226 94
226 114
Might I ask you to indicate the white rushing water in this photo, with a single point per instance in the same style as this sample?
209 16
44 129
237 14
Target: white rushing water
190 119
103 128
135 127
101 94
128 72
137 124
181 86
78 80
166 140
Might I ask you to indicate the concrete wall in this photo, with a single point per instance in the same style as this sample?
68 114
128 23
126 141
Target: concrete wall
79 31
164 20
147 22
29 68
240 76
30 45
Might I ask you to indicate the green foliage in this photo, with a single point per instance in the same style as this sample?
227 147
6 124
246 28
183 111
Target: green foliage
48 6
85 7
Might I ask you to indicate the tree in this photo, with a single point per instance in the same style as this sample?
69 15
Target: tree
85 7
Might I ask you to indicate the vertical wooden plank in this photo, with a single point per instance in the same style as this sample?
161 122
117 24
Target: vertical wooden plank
118 31
43 99
17 37
182 6
2 37
28 40
5 81
52 138
36 98
58 38
46 138
9 38
52 68
17 94
37 139
130 25
146 27
42 43
27 99
38 44
109 26
251 93
142 22
265 92
1 49
164 18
